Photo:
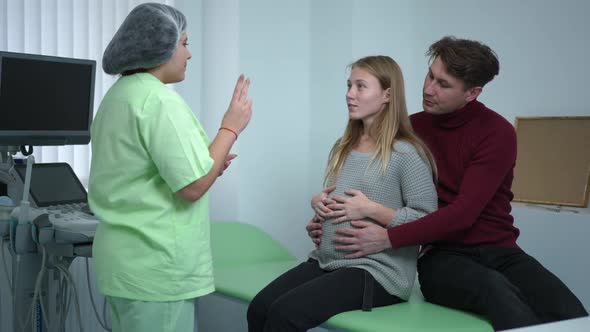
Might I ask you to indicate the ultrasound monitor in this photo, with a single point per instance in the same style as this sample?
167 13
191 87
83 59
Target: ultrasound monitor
45 100
53 184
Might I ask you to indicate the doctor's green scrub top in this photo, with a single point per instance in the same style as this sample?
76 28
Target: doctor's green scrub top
147 144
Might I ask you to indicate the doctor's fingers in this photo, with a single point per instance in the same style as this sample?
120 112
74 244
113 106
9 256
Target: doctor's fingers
244 91
238 89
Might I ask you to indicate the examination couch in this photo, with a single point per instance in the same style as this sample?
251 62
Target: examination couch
246 259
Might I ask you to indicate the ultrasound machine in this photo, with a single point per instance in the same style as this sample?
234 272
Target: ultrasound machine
66 218
45 222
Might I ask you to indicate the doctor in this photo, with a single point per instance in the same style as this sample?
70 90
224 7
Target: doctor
152 165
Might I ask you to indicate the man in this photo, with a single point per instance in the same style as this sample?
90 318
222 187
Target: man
470 259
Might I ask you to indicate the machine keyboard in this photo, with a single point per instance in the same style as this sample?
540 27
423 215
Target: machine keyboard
70 208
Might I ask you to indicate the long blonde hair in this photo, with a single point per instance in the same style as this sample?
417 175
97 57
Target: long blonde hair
392 124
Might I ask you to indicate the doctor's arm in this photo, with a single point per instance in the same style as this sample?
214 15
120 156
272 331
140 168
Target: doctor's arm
234 121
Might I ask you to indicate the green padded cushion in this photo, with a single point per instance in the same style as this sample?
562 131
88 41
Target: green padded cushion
245 281
409 317
415 315
246 259
237 243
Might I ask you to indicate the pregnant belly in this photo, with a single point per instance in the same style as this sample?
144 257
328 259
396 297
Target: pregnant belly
327 252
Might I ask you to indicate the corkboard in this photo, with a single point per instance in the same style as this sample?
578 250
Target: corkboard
553 160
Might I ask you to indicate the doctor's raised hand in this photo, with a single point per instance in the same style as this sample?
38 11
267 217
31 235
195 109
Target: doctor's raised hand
237 116
239 112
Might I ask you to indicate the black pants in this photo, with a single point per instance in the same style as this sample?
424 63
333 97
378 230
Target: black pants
306 296
505 285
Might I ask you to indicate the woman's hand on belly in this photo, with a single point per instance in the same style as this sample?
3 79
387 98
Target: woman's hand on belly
354 206
319 202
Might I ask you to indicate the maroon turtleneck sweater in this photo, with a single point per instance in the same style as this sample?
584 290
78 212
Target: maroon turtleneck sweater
475 152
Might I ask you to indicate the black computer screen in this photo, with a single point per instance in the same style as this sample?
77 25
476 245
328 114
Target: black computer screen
53 184
45 100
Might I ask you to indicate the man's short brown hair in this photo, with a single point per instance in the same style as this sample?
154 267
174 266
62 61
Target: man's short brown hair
474 63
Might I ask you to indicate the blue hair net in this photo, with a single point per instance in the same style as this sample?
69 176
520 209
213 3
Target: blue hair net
147 38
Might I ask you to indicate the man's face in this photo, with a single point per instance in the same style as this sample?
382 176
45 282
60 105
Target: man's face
443 93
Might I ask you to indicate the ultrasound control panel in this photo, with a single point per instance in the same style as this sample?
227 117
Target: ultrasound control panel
56 189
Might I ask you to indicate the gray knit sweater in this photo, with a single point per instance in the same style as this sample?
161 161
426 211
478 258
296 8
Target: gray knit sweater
406 186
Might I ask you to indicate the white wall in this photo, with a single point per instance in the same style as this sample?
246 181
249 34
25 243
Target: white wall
297 53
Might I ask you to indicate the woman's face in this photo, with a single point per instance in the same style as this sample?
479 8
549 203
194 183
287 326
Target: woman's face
365 97
174 70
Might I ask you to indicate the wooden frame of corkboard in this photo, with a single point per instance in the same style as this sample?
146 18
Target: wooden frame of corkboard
553 160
